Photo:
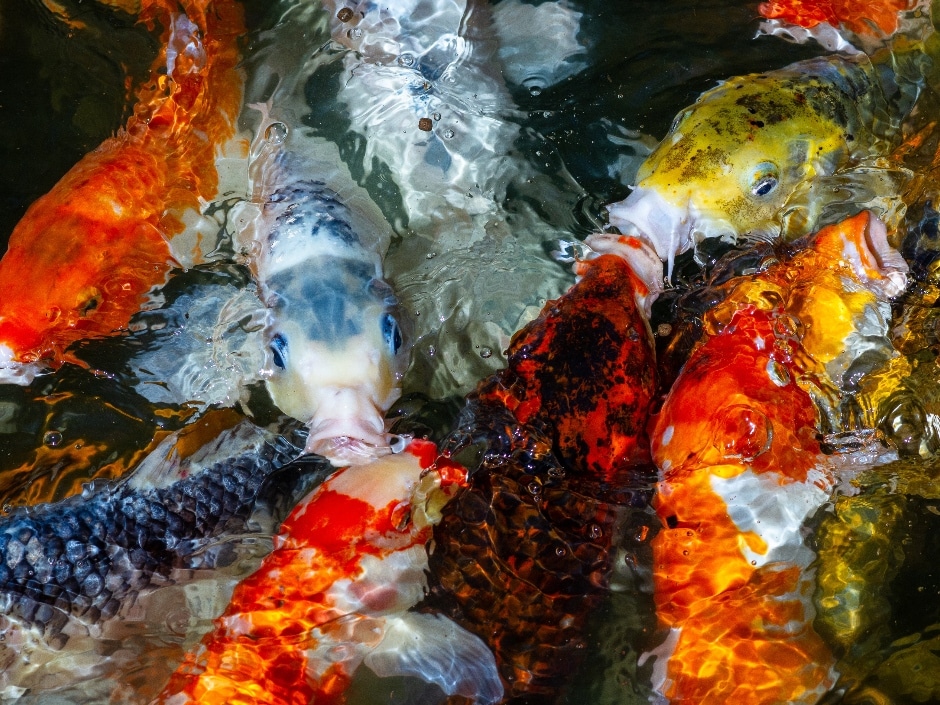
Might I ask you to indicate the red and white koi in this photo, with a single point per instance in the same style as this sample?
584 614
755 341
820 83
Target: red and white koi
737 445
348 564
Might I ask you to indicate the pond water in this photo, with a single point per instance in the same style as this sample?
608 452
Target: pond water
529 138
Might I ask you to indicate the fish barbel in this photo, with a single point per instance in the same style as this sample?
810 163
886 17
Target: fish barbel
348 563
750 159
84 255
737 445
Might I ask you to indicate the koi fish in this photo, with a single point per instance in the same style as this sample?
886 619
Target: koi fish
336 350
775 155
523 556
351 559
732 577
348 563
84 256
70 566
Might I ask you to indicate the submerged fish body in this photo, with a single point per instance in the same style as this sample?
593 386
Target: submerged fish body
348 563
750 158
524 555
733 584
70 566
83 257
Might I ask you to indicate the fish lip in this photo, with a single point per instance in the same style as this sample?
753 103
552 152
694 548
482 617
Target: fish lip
343 451
348 428
890 272
647 216
12 371
643 260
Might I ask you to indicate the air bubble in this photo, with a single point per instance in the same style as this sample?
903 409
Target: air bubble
436 116
595 531
486 352
406 60
355 33
276 133
448 134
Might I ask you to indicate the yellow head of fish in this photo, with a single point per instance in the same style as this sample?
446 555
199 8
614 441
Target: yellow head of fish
736 162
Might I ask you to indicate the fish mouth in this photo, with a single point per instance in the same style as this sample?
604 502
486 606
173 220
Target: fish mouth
646 215
12 371
348 428
644 261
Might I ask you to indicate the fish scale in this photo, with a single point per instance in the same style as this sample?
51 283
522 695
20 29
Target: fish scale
524 555
88 556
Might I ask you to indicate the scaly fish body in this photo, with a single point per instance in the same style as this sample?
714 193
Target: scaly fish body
85 559
348 563
731 569
750 158
524 555
82 258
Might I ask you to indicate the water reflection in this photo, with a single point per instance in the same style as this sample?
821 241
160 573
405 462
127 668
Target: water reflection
482 151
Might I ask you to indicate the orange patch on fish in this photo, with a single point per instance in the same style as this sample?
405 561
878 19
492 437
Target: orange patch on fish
865 17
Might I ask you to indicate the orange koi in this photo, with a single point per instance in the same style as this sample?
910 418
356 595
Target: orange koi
85 254
523 556
348 563
871 18
737 445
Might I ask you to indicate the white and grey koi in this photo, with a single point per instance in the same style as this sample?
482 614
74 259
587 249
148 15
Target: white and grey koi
315 241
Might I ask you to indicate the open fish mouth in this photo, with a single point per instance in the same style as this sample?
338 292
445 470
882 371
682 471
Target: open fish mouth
343 451
670 229
13 371
348 428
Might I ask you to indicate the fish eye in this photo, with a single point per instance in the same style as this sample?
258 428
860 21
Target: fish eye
279 350
391 333
765 179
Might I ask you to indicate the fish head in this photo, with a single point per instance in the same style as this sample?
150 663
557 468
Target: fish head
336 353
732 164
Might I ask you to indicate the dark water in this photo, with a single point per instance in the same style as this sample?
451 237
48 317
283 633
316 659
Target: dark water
64 91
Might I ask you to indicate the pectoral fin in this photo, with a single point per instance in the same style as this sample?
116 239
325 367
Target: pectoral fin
438 651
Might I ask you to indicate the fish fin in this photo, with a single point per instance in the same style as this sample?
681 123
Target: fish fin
437 650
215 437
